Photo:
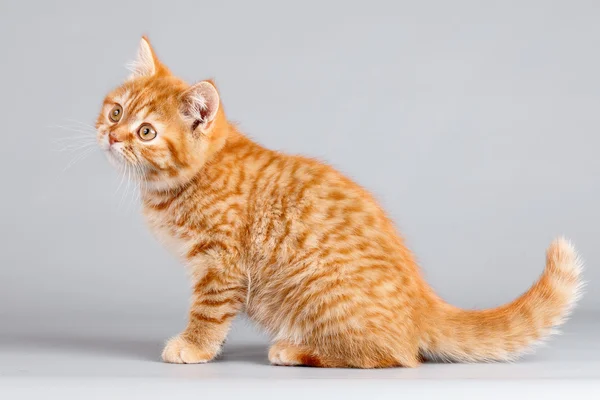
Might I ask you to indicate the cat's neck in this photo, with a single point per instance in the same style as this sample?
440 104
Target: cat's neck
228 144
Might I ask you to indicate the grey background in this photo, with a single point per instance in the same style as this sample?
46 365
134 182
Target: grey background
475 124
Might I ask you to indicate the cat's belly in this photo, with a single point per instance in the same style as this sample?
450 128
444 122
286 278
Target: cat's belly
286 305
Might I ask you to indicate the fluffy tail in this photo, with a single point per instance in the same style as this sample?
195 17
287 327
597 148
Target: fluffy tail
506 332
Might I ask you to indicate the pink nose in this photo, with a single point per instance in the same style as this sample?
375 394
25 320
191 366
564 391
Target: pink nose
112 139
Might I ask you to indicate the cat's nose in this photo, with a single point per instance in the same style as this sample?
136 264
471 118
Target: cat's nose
112 139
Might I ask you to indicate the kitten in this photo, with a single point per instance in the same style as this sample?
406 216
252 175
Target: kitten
301 249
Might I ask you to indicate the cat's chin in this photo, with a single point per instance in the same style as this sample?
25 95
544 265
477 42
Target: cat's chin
115 159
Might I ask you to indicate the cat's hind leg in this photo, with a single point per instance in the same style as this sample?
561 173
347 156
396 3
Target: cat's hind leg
286 353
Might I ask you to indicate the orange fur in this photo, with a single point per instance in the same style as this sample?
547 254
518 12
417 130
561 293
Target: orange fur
303 250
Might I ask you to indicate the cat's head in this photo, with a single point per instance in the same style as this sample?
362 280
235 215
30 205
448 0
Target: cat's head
159 127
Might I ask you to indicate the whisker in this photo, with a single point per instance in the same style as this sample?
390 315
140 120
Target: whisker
76 137
122 170
124 195
132 197
79 129
124 187
81 123
140 179
75 146
69 138
83 154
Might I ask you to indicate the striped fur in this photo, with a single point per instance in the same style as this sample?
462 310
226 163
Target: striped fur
301 249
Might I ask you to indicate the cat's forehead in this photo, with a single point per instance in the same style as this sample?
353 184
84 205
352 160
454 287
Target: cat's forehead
138 94
120 96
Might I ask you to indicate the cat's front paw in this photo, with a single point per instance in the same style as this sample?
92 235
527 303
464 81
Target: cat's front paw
179 350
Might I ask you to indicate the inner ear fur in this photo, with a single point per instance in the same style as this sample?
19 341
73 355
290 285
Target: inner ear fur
200 104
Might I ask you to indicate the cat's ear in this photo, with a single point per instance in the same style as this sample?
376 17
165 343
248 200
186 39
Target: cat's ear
146 62
199 105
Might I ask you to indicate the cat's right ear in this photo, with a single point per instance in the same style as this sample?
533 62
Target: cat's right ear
146 62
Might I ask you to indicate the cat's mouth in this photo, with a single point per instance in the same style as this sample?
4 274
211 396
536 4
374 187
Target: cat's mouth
122 158
115 158
113 151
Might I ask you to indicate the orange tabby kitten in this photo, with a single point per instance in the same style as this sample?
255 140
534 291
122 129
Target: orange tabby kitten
301 249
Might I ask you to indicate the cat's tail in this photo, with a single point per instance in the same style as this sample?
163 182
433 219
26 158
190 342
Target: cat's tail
506 332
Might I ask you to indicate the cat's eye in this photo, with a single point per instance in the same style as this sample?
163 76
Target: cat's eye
146 132
115 113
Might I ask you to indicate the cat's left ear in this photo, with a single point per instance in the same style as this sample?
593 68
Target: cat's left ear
199 105
146 62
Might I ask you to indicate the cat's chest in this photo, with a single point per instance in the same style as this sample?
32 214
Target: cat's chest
176 237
